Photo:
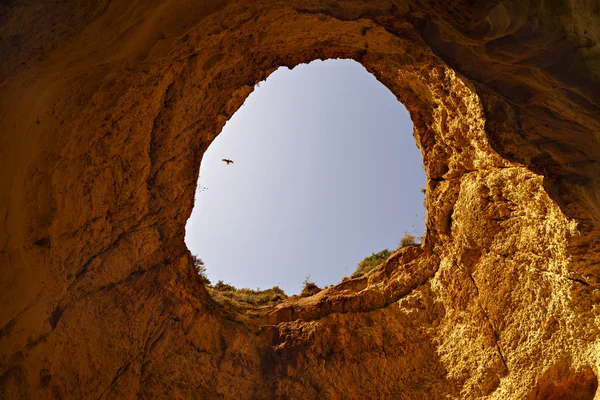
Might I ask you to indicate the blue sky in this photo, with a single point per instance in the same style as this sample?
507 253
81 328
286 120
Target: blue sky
326 172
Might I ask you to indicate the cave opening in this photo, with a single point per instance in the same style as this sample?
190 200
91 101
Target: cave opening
324 173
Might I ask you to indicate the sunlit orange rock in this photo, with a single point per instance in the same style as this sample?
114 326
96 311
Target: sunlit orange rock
106 108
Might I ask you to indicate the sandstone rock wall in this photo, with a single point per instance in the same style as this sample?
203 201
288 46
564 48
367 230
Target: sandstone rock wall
106 108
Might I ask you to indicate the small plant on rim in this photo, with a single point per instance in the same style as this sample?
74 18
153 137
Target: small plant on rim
374 260
200 269
310 288
224 292
370 262
407 240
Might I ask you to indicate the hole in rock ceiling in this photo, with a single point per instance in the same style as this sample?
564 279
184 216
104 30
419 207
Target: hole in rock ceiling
325 172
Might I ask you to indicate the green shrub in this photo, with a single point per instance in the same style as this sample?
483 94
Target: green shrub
200 269
310 288
407 240
226 293
374 260
224 287
369 263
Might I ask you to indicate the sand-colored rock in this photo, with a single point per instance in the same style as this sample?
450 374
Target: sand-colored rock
106 108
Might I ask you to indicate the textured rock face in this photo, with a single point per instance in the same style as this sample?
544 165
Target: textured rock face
107 107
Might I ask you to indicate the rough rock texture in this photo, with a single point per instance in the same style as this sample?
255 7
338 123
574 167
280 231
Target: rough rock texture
106 108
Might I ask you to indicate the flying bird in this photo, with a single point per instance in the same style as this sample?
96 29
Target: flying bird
227 161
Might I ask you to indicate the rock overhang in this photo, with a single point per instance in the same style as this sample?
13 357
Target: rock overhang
106 139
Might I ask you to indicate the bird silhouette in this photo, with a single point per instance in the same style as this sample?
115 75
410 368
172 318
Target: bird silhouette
227 161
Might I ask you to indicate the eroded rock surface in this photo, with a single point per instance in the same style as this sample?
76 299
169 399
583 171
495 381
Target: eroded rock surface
106 108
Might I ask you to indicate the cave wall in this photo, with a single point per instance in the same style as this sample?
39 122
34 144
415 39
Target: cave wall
106 108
